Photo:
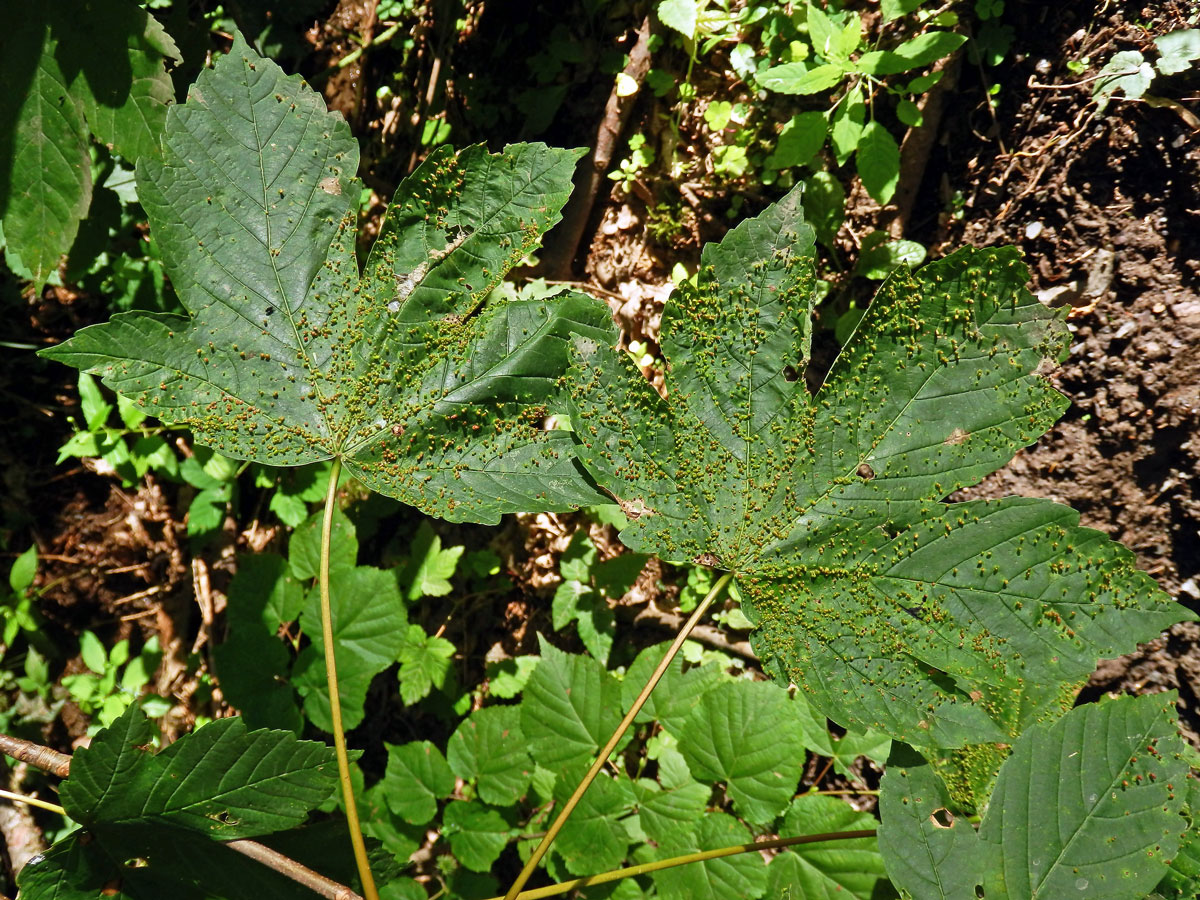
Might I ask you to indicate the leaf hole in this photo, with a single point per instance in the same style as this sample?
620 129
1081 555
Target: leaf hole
942 818
790 373
137 862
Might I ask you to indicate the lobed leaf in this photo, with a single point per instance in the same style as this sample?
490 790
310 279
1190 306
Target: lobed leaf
148 863
570 707
288 356
747 735
929 852
890 608
490 747
1089 806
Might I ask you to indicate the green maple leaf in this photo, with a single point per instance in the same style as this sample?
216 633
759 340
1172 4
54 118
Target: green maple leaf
289 356
889 607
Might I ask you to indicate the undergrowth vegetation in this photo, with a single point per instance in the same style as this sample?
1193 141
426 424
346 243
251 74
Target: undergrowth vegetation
270 363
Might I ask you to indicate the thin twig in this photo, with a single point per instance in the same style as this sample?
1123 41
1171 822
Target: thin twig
1074 84
562 247
298 873
350 58
602 757
36 755
704 634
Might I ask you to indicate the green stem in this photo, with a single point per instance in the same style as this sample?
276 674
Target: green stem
554 890
602 756
350 58
33 801
335 700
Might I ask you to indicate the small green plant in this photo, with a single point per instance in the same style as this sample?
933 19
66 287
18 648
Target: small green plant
631 167
839 61
16 605
129 450
115 680
815 52
1130 73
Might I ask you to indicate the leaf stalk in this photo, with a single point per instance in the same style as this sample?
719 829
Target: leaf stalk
602 757
564 887
32 801
370 892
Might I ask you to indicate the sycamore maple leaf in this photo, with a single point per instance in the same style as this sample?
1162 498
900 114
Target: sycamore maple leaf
290 356
890 607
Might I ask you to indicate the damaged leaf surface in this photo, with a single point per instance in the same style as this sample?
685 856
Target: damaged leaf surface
891 608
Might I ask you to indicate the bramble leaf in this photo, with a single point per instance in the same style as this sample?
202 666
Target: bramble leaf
221 781
593 840
747 735
677 693
368 632
664 810
430 567
1087 807
489 746
476 833
416 778
740 877
252 663
570 707
890 608
424 662
850 869
426 393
